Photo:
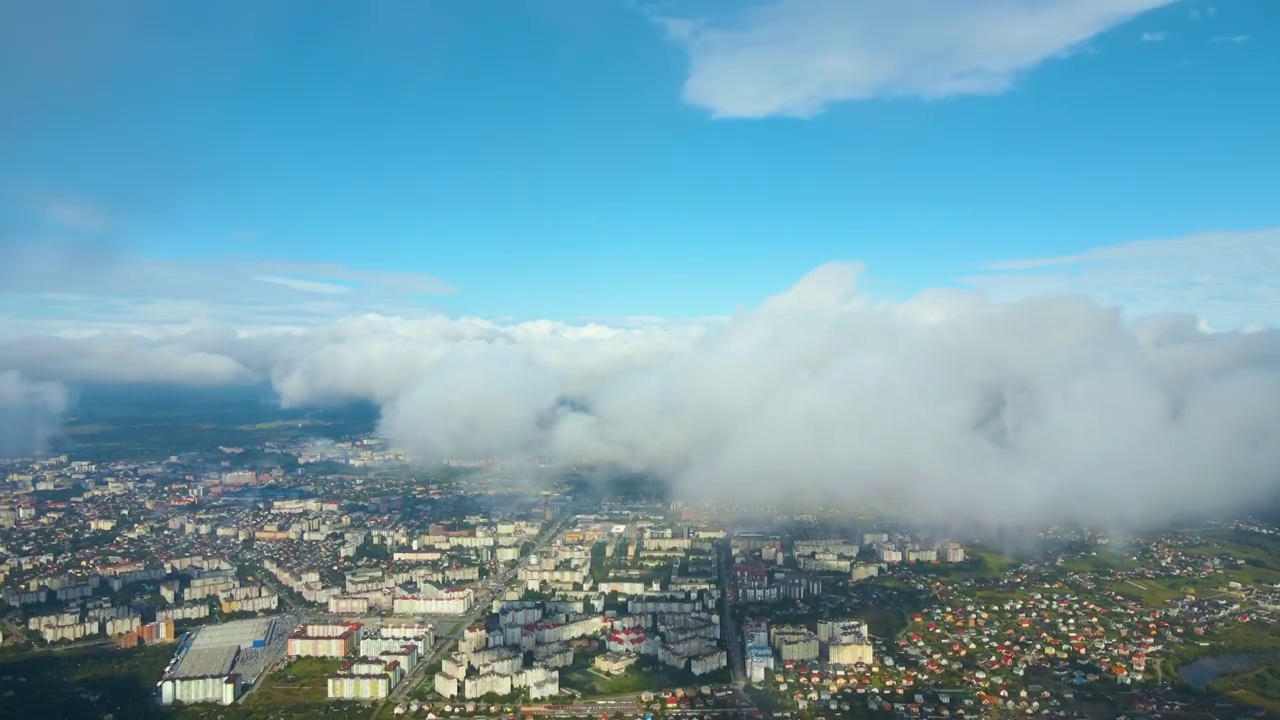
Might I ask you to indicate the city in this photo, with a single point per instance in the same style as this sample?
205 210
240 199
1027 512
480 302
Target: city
639 359
297 577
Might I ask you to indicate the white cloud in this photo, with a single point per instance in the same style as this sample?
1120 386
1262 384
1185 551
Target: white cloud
795 57
92 284
1231 279
311 286
1231 39
1153 37
969 409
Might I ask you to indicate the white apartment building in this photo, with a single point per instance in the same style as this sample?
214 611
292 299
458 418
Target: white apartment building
360 687
446 685
708 662
850 653
223 690
794 647
324 640
452 602
478 686
455 664
545 688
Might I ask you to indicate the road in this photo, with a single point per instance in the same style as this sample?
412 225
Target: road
729 630
445 644
286 596
13 631
277 655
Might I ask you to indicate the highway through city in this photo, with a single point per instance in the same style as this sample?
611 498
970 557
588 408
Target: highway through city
732 635
446 643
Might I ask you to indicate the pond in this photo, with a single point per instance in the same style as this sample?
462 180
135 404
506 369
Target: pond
1207 669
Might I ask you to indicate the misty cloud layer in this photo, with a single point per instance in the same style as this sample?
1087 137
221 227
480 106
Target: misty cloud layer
30 414
999 413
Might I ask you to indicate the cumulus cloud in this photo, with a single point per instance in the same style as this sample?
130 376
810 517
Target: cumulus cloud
964 408
30 414
795 57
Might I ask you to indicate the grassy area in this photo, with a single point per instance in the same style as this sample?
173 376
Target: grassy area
101 681
150 422
296 692
992 561
303 682
1258 686
86 683
1251 698
995 595
334 711
1102 561
886 622
635 679
1150 592
276 424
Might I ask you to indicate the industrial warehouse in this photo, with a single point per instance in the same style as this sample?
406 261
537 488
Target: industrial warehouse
217 662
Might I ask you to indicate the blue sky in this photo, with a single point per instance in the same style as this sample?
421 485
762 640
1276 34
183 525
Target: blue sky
608 158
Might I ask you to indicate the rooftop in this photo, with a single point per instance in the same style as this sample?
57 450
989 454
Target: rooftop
206 662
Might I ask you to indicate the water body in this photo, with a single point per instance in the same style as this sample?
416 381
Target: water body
1207 669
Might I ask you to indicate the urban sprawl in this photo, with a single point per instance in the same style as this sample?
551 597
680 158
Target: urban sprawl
454 589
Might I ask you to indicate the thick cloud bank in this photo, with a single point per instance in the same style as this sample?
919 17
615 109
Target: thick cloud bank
960 408
30 414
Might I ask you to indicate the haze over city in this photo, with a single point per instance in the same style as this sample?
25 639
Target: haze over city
1016 264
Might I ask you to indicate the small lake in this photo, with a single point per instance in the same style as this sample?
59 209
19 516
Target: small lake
1207 669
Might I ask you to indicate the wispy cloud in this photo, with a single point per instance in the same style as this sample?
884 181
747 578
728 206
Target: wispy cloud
400 282
1230 278
89 285
1153 37
796 57
1231 39
310 286
70 213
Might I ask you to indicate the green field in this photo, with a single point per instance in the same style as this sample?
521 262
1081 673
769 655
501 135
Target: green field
883 621
1101 561
152 422
302 682
988 562
86 683
94 682
1150 592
